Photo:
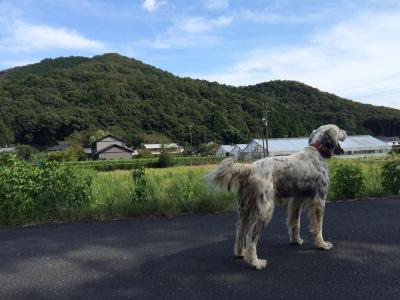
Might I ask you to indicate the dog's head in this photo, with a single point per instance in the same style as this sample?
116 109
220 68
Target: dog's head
328 136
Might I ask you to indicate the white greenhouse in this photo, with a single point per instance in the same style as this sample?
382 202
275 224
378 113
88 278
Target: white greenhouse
224 150
356 145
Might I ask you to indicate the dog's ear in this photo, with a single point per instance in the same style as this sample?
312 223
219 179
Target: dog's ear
312 135
329 138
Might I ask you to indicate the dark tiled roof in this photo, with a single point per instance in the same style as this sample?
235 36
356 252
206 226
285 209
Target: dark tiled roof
61 147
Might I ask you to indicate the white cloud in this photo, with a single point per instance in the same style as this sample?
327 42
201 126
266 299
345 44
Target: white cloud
216 4
201 24
23 37
357 59
152 5
267 16
188 33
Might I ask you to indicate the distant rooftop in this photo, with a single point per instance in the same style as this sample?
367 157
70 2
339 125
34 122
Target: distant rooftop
7 149
60 147
355 142
159 146
227 148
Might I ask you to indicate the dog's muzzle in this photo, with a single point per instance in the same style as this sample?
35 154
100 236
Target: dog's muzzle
338 150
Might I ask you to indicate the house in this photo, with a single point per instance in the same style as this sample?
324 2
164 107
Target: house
357 145
111 147
156 149
224 150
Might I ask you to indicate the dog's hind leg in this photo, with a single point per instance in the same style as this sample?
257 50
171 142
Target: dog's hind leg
293 221
239 241
252 236
316 210
260 215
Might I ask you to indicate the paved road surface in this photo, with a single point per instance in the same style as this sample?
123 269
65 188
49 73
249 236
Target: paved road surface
190 257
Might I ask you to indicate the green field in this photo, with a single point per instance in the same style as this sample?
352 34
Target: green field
182 189
48 191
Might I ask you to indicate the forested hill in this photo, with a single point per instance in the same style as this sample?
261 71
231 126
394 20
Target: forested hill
45 102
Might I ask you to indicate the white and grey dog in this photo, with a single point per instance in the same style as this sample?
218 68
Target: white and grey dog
301 177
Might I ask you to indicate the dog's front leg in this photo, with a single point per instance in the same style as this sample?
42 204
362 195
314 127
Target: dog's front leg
316 214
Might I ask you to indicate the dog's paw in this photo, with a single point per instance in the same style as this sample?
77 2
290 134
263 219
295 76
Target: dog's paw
324 245
296 241
238 254
259 264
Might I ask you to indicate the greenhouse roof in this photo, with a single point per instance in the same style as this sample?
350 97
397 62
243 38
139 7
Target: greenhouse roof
355 142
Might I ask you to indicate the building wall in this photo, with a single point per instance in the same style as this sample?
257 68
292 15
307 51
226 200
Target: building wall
107 142
115 155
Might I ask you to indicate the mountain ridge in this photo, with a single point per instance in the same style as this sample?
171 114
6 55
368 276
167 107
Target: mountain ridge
45 102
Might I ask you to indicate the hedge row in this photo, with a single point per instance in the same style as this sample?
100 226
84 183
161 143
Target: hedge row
110 165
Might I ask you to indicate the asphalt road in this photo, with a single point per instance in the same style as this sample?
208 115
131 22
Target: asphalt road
190 257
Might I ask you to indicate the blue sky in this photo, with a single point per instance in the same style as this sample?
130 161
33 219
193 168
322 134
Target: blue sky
350 48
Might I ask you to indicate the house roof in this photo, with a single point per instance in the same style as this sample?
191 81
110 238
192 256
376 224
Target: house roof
159 146
355 142
112 146
7 149
226 148
60 147
110 135
240 146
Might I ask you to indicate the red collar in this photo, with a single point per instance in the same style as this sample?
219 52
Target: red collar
323 150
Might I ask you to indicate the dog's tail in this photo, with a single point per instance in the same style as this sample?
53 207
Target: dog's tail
228 173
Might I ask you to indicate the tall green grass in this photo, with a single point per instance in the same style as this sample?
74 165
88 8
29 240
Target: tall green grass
170 191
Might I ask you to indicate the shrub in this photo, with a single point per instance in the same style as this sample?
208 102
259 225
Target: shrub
165 159
144 154
347 181
31 193
391 176
25 151
140 191
61 156
73 153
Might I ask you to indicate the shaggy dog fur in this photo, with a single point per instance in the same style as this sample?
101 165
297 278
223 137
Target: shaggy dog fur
301 177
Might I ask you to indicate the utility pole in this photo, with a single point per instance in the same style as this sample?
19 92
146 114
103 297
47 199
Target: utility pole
264 122
191 140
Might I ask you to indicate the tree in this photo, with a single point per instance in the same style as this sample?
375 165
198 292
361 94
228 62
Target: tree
25 151
207 149
6 135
